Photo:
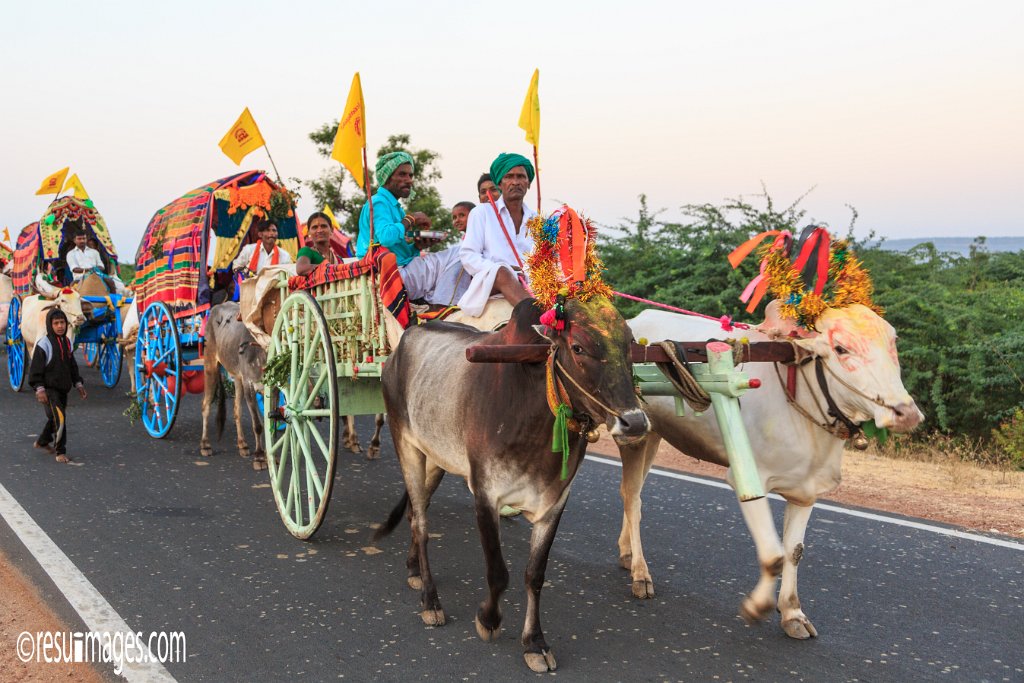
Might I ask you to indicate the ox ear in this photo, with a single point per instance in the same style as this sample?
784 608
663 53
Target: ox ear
544 331
813 346
775 325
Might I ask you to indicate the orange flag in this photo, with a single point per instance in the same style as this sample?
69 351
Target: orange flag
350 139
54 182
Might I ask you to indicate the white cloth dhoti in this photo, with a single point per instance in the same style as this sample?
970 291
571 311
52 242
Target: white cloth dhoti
436 277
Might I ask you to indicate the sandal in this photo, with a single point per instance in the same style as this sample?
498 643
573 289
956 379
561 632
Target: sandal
43 446
62 458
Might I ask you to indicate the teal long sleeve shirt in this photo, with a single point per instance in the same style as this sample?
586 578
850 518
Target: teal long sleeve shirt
388 230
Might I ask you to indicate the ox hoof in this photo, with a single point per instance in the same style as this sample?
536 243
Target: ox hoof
626 561
433 617
540 662
259 464
244 452
643 589
373 453
354 447
751 611
415 583
486 634
800 628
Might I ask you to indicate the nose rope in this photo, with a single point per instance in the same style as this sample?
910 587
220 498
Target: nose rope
583 391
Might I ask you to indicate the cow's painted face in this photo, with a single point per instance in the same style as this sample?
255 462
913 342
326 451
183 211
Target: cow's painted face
594 351
860 347
71 304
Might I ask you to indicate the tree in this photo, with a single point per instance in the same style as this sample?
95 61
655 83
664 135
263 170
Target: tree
336 188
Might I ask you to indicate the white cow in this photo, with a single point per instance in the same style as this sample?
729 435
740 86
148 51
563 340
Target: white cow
6 294
129 335
796 458
33 317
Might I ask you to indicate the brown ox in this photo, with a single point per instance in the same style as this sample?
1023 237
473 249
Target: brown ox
491 425
228 343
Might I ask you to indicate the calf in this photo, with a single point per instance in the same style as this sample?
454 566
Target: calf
492 425
229 344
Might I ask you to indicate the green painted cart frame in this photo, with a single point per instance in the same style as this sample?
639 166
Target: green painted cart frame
334 342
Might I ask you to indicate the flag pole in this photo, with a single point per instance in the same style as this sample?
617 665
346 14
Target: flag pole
267 149
369 199
536 169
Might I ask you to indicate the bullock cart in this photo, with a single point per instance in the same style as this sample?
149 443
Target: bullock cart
183 265
42 246
326 340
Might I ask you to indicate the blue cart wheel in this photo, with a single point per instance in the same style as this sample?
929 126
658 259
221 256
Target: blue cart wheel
110 358
15 346
158 369
91 350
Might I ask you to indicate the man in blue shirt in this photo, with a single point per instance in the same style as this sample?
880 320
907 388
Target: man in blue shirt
432 276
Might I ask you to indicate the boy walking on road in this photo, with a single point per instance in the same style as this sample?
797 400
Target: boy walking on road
53 374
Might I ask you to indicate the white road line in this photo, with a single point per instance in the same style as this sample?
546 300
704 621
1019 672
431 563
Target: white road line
833 508
90 605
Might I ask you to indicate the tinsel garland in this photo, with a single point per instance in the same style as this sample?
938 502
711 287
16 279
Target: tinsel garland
848 283
548 276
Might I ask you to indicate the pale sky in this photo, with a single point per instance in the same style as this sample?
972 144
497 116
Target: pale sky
909 111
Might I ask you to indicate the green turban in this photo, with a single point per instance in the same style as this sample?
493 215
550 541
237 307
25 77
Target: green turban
506 162
387 164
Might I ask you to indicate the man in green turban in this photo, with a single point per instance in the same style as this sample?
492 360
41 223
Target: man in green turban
394 173
497 240
432 277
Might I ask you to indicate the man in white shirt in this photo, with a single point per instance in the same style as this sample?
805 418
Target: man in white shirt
83 259
497 239
256 256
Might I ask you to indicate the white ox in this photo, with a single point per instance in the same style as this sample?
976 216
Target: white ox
33 317
6 294
796 457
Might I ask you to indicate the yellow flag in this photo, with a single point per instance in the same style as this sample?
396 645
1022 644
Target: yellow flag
351 137
529 117
330 214
75 184
53 183
243 137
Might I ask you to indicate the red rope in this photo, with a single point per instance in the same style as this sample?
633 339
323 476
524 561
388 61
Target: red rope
726 321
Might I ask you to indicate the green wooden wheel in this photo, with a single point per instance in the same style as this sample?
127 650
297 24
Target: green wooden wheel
300 416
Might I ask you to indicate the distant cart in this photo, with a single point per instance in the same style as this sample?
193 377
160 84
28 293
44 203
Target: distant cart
45 243
183 259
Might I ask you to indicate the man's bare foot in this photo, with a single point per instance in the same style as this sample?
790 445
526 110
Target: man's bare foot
63 458
43 447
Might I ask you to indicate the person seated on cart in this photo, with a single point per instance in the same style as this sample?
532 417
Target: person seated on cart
82 259
318 247
497 239
429 276
254 257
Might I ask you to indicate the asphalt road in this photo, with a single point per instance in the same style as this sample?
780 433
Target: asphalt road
180 543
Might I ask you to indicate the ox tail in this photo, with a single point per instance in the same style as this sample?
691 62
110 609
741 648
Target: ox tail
218 392
393 519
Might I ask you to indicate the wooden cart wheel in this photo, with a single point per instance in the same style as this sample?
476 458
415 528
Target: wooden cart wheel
158 369
90 350
16 353
110 360
301 417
